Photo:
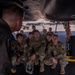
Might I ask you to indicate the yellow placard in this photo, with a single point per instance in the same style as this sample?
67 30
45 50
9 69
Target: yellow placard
71 58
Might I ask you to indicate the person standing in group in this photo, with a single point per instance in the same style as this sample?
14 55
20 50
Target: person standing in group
50 31
24 35
33 28
44 33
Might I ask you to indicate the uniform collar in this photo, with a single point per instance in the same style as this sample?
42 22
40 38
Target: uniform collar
5 27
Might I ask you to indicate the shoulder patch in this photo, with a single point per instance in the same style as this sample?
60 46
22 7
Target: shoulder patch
12 44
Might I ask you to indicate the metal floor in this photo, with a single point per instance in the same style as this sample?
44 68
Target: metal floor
70 70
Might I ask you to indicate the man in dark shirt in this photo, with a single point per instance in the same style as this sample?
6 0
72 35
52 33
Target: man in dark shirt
11 21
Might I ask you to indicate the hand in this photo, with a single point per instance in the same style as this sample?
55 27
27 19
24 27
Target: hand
19 60
32 57
54 61
42 56
25 45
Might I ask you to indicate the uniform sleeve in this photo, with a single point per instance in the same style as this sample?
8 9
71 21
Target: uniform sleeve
62 52
49 51
26 48
41 48
31 43
48 57
28 51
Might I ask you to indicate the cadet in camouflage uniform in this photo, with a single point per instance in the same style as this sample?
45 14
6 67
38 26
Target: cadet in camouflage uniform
24 50
44 33
30 36
58 51
24 35
19 50
20 43
20 46
48 55
50 31
28 53
48 61
18 57
23 45
27 48
38 46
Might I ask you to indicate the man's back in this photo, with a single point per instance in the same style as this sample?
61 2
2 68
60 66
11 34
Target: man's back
11 21
5 39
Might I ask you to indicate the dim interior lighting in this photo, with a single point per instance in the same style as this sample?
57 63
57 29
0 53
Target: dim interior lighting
73 16
26 7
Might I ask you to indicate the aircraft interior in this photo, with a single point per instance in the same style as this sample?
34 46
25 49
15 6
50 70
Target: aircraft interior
58 14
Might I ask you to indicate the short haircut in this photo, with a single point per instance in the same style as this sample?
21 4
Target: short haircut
48 34
13 9
33 26
21 31
30 33
36 31
50 28
55 35
44 29
18 34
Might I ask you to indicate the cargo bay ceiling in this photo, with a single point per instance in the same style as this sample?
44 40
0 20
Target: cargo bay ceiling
57 10
32 9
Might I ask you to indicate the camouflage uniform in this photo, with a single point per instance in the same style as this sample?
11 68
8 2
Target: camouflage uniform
38 47
48 54
18 53
43 36
39 50
23 50
27 49
28 52
59 52
52 33
35 47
